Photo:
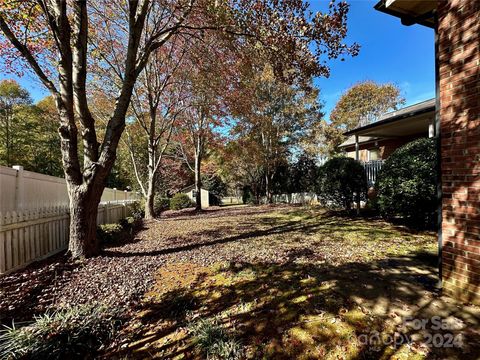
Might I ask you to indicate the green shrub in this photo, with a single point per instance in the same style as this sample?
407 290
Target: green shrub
109 232
128 223
214 341
75 333
247 196
160 204
339 178
180 201
406 183
138 209
214 200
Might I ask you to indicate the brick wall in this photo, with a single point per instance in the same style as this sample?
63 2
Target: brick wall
459 70
390 145
386 147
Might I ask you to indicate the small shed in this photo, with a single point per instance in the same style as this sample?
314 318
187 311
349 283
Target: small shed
191 193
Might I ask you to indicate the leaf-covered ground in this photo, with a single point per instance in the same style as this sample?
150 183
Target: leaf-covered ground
284 282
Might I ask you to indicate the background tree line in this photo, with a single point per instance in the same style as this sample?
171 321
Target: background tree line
28 131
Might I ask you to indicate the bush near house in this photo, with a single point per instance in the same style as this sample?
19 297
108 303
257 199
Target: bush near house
406 184
339 179
180 201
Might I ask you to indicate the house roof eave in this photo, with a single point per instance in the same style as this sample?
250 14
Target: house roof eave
410 12
415 110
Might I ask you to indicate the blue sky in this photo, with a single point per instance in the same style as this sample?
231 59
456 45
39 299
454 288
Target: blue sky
390 52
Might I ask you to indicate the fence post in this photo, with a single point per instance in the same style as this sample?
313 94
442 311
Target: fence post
125 195
19 188
115 194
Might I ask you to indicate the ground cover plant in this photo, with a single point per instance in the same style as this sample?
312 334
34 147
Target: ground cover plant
75 332
274 282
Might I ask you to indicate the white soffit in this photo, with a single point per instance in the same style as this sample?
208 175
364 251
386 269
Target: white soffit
413 8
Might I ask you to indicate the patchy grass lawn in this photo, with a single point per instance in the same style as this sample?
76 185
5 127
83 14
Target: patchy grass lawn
270 283
284 283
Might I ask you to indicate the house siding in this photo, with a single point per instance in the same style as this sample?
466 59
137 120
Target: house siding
459 82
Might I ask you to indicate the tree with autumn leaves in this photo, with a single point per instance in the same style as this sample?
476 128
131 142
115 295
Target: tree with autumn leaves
65 43
280 116
157 104
360 105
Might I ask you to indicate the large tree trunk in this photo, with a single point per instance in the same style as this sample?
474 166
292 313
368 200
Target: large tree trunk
68 24
198 182
84 201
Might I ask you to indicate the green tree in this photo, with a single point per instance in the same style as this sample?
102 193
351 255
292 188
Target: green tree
304 174
13 100
47 159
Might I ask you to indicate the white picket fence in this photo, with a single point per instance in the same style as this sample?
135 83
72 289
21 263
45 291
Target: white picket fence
31 235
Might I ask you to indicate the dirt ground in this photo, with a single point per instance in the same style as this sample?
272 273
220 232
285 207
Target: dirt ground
283 282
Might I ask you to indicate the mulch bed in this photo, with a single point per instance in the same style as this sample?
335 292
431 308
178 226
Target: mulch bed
31 291
118 277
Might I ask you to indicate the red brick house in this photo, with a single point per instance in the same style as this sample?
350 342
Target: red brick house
457 127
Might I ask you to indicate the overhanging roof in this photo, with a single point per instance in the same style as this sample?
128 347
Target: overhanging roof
411 120
361 140
410 11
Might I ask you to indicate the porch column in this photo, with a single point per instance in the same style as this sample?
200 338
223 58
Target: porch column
357 157
357 149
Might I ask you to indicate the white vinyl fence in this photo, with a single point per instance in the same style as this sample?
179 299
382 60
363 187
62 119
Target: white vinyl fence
231 200
24 190
34 215
295 198
29 235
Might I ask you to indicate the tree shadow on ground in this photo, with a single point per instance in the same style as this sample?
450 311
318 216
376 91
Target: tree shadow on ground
308 310
329 224
212 212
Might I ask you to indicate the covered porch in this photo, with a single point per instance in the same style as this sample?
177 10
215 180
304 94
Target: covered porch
372 144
